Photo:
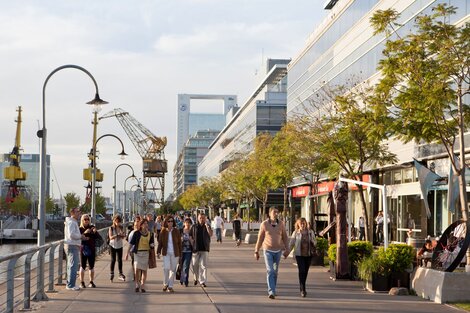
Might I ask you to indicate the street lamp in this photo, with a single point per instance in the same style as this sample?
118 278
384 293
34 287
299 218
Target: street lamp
135 201
125 194
114 186
40 295
93 171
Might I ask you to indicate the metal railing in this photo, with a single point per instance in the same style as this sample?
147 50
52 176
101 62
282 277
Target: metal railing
16 282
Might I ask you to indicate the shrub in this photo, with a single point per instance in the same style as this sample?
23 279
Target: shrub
322 245
400 257
357 250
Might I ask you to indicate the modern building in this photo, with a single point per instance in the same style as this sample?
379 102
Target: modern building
343 47
264 111
29 163
190 122
185 170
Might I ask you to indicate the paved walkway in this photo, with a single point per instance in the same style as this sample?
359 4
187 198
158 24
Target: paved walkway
236 284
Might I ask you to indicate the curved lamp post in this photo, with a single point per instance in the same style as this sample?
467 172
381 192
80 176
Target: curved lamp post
93 171
125 193
40 295
134 202
114 186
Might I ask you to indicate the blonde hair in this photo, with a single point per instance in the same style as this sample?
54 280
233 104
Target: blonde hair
82 220
299 221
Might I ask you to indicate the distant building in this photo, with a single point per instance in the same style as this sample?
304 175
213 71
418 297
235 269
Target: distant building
185 170
264 111
189 122
29 163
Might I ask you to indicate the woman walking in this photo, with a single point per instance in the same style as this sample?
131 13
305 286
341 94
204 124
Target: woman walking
87 251
187 251
116 235
169 245
142 240
237 229
135 227
303 241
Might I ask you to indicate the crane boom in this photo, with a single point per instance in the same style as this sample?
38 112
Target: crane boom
151 149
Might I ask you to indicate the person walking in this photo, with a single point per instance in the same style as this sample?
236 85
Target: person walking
201 234
169 245
237 229
151 222
272 237
158 225
187 252
116 236
219 226
72 243
380 227
362 228
136 226
303 242
88 250
142 240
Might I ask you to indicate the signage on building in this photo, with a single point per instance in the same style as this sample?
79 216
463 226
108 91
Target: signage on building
301 191
328 186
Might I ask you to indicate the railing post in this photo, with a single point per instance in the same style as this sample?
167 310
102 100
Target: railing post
10 285
51 268
27 282
40 294
60 265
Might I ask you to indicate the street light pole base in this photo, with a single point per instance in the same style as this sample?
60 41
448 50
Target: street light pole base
40 296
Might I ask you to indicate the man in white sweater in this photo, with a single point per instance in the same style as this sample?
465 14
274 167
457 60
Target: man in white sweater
72 241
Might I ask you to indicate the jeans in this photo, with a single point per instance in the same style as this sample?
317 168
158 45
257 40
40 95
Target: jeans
272 260
186 261
116 253
303 265
73 262
218 234
362 233
199 261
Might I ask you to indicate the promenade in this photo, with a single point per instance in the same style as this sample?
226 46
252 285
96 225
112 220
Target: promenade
236 284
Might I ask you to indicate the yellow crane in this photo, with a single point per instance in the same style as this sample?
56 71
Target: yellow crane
13 173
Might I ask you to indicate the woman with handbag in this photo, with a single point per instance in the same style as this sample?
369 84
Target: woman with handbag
169 245
303 242
187 252
142 240
88 250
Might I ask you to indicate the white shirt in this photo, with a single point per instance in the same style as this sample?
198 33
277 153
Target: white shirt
169 249
218 222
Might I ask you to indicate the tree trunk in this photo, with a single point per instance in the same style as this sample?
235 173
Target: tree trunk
364 210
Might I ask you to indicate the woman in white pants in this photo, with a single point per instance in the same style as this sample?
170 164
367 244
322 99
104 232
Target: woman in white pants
169 245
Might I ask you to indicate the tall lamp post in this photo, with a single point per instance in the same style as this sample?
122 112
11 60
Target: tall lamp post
42 133
93 171
134 202
114 186
125 193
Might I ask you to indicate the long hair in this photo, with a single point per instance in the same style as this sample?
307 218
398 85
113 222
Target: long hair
82 220
298 222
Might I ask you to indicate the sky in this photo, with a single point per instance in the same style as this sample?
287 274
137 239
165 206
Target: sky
142 54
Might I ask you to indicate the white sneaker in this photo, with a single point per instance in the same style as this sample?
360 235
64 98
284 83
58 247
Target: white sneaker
76 288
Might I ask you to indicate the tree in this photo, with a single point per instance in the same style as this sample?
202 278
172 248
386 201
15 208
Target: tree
189 199
49 205
71 200
21 205
338 120
425 76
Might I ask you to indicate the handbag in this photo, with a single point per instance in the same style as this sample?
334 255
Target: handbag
152 258
178 272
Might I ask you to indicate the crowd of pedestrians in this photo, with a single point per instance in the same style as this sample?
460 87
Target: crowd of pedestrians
182 243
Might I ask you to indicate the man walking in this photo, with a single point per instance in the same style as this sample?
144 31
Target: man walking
201 234
72 241
219 226
273 238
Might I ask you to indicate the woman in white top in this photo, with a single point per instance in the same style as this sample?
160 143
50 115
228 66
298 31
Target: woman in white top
116 235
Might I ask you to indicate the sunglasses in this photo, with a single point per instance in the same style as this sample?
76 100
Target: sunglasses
86 219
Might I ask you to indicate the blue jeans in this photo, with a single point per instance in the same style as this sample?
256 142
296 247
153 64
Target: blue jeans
218 234
186 261
73 262
272 260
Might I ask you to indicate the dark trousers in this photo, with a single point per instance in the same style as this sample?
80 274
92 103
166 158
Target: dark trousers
362 233
116 253
303 264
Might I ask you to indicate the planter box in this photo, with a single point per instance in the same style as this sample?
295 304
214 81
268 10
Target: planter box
379 283
318 260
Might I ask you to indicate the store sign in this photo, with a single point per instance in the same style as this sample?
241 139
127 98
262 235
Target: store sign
301 191
325 187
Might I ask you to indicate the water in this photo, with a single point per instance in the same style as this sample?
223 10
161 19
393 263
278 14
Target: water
9 248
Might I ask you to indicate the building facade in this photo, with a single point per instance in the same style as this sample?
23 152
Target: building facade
264 111
344 47
192 153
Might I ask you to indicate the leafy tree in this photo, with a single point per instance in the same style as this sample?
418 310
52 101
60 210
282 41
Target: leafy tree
338 121
49 205
189 199
71 200
425 76
21 205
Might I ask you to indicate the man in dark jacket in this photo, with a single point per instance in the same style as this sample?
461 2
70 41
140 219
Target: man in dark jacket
201 233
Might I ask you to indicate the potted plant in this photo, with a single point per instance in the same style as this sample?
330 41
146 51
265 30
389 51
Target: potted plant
332 260
357 250
400 258
321 249
374 271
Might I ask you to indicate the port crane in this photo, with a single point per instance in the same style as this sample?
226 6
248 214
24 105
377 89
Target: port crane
13 173
151 149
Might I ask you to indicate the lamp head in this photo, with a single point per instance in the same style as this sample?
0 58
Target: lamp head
97 103
123 155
